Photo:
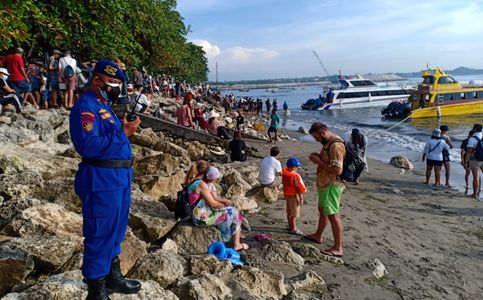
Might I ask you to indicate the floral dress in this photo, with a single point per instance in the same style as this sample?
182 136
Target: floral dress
228 219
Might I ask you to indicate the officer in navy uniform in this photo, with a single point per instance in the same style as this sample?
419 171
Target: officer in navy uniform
103 181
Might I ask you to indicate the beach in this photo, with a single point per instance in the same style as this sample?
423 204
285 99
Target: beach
429 238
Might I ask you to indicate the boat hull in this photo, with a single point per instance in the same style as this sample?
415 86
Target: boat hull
449 110
360 104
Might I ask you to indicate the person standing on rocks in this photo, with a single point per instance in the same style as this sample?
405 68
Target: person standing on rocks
103 181
329 185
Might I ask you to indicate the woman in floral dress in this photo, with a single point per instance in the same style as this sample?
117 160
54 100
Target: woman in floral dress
209 211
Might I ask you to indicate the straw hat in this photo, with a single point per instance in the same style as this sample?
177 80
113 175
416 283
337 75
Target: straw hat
212 114
218 151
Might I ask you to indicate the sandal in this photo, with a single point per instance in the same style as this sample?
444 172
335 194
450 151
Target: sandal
244 246
296 232
312 239
329 252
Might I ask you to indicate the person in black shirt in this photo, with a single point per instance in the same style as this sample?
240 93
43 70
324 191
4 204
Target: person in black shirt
237 148
240 121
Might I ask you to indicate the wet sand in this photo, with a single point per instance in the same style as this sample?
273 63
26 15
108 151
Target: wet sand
430 239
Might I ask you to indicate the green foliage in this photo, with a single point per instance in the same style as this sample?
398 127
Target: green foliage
139 32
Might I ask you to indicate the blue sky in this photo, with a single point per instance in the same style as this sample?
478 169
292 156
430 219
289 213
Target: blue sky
272 39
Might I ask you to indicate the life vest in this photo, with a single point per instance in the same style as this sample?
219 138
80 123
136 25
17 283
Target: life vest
292 183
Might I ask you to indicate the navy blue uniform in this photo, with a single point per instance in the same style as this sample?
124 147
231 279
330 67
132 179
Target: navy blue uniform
105 192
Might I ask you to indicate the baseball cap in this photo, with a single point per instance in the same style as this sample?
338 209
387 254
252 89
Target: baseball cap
293 162
109 68
444 128
436 132
213 173
4 71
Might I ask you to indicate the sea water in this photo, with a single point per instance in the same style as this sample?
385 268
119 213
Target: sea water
407 139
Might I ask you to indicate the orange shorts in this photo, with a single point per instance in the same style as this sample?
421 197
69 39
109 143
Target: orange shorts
292 205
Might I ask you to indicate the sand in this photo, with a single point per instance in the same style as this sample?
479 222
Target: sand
430 239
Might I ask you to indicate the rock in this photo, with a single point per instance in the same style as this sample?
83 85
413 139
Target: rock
43 129
379 269
196 150
159 186
252 283
6 120
201 287
332 259
73 264
17 135
308 251
170 246
20 185
49 253
194 240
308 281
69 285
243 203
303 130
263 194
170 148
70 152
53 117
146 138
46 220
281 252
9 209
161 266
131 250
151 216
15 265
160 164
10 164
401 162
61 191
293 295
209 263
64 138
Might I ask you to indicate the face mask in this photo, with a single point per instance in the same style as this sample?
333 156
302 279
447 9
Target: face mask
110 91
5 77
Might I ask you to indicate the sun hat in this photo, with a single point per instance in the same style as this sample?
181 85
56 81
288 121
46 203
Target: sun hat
436 132
56 51
444 128
212 114
293 162
218 151
4 71
213 173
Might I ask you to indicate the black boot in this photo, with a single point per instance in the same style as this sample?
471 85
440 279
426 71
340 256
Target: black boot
116 283
96 289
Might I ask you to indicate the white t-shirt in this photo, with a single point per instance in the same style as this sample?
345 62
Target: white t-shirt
143 101
436 147
472 142
268 169
65 61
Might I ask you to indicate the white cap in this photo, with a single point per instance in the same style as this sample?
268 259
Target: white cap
4 71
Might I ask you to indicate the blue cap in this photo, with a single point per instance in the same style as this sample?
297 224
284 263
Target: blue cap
293 162
109 68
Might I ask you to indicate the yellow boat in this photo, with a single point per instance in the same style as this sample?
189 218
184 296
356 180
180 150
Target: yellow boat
441 95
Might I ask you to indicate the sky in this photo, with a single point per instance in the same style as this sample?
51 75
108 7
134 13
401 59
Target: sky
257 39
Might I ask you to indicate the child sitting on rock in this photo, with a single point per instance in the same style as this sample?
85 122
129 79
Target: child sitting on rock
212 175
293 189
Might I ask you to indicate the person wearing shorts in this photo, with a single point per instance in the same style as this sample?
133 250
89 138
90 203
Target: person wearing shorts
270 170
293 192
274 123
472 162
433 154
329 185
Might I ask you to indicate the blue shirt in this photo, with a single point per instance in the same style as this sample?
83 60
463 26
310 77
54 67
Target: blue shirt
97 134
434 149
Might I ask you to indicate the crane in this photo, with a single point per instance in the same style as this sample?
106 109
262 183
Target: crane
322 64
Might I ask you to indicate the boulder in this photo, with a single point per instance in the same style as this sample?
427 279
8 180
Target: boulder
61 191
196 150
131 250
281 252
17 135
53 117
64 138
152 217
44 130
244 203
15 265
146 138
161 266
170 246
170 148
201 287
158 186
308 281
49 253
311 252
263 194
303 130
400 161
160 164
253 283
10 208
20 185
294 295
194 240
10 164
379 269
46 220
210 264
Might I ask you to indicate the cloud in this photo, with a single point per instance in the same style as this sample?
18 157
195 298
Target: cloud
241 55
210 49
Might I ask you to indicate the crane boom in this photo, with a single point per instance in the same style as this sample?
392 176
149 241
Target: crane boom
321 64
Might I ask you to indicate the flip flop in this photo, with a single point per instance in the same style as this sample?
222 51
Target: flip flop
244 247
313 240
329 252
296 232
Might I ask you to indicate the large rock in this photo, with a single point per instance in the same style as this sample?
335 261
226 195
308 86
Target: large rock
201 287
17 135
11 164
61 191
15 265
69 285
64 138
253 283
43 129
161 266
263 194
160 164
209 263
170 148
303 130
159 186
400 161
46 220
196 150
10 208
146 138
20 185
281 252
152 217
54 117
308 281
131 250
49 253
194 240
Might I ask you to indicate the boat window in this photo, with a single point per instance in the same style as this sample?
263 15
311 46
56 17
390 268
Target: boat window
474 95
480 94
353 95
363 83
344 84
448 97
396 92
463 96
446 79
428 80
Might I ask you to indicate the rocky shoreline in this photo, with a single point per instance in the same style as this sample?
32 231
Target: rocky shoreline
41 239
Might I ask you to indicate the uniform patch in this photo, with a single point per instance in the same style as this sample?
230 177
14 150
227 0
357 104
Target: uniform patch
110 70
86 113
87 126
105 116
102 110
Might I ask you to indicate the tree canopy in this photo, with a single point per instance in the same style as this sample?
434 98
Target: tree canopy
150 33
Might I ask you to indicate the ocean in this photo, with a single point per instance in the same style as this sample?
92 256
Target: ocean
407 139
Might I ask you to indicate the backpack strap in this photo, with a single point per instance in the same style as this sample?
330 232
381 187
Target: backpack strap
431 150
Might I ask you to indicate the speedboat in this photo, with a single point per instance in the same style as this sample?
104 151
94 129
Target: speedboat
359 92
313 104
441 95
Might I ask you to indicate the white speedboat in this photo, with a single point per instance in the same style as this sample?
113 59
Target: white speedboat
359 92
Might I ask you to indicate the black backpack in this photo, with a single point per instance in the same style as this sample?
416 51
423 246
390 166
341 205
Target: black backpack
68 71
182 208
479 149
353 163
